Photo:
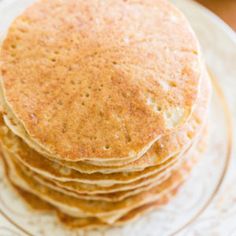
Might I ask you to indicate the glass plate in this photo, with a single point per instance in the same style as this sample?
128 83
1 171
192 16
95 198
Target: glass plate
190 202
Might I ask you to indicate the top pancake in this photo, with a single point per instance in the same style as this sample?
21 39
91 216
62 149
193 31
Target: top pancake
92 80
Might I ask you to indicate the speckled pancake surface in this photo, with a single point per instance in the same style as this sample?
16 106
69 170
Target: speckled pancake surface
153 160
165 147
104 83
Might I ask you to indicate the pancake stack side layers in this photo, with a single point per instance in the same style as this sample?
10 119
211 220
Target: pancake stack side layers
103 108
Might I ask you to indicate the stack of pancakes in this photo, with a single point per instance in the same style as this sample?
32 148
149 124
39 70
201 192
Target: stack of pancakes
103 107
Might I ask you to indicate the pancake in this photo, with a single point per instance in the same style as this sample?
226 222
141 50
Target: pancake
83 188
39 205
52 170
146 179
93 189
106 211
115 196
115 193
108 93
110 197
100 179
130 216
97 193
163 148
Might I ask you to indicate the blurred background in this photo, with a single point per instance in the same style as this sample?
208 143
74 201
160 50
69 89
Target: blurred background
226 9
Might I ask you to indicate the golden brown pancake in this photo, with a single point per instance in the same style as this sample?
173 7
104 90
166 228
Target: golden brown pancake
163 148
39 205
100 179
103 108
114 192
50 169
102 84
115 196
106 211
149 177
102 187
